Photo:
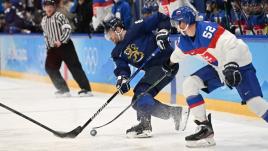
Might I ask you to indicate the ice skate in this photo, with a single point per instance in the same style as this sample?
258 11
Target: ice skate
203 137
85 93
142 130
62 94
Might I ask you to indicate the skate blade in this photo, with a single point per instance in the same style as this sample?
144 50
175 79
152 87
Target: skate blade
89 94
184 118
207 142
145 134
65 95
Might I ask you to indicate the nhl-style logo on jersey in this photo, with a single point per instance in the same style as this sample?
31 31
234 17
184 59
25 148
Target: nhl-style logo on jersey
133 53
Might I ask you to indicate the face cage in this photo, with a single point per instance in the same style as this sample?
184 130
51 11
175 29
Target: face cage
176 24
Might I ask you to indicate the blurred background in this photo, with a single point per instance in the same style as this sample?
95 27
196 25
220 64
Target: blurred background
242 17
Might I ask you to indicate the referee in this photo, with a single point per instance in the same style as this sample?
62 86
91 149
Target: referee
60 48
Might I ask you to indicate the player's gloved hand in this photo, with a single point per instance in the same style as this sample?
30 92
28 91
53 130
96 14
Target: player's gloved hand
162 39
169 68
232 74
122 85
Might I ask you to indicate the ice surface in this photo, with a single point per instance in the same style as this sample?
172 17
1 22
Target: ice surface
37 101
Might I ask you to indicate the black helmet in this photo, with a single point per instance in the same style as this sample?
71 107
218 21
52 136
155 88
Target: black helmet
112 23
49 2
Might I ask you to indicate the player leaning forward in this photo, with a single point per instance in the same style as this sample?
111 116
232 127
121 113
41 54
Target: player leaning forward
133 47
229 61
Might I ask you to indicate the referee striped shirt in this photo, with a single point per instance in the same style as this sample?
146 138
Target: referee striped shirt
56 28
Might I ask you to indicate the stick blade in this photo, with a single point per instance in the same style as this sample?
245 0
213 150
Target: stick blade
71 134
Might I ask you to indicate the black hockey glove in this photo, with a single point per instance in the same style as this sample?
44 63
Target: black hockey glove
232 74
122 85
162 39
168 68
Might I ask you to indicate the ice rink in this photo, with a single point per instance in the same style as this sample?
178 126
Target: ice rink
37 100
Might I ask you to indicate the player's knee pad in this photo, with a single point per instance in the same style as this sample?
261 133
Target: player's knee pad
259 106
144 103
192 85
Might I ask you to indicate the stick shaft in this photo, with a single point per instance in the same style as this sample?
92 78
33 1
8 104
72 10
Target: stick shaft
28 118
115 94
149 89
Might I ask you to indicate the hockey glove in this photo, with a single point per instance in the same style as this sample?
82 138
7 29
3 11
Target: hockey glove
169 68
232 74
122 85
162 39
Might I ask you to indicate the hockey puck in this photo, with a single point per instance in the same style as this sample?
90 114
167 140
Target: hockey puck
93 132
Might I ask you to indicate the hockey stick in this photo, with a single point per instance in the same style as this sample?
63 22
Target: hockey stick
75 132
57 133
149 89
79 129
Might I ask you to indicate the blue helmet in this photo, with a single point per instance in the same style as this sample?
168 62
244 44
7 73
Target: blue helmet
112 22
154 6
245 2
146 9
184 14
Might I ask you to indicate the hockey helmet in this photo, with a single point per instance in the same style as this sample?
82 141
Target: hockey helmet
49 2
112 22
183 14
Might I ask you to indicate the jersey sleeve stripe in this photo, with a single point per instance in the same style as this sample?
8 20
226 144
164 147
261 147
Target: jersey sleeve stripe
216 37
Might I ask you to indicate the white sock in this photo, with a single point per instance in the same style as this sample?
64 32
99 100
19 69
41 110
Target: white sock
258 105
199 113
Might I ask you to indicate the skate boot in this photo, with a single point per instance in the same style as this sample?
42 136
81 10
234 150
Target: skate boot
180 116
142 130
62 94
203 137
85 93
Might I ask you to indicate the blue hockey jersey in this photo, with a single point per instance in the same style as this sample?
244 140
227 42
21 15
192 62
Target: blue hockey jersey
139 43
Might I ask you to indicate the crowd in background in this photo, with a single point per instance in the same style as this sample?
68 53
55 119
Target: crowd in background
242 17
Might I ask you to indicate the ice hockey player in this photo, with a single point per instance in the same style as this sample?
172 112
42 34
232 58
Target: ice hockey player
229 62
133 47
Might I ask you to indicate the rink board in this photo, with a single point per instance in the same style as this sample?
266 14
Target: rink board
22 56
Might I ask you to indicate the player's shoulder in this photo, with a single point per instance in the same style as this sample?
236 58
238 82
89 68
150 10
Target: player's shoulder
43 20
182 41
138 22
135 27
59 15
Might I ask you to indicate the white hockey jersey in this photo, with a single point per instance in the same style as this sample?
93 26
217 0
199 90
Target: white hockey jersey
214 45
